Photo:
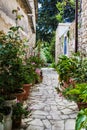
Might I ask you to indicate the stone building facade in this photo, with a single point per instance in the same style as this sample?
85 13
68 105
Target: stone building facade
70 34
28 8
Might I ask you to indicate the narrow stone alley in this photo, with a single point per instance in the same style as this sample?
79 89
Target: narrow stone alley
49 111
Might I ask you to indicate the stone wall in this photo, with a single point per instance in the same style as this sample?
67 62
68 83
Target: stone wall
28 22
71 45
83 30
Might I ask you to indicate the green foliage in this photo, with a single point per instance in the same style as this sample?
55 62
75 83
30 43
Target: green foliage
73 69
66 9
42 55
74 66
27 74
12 53
79 93
65 88
47 50
47 54
19 111
36 61
11 58
33 66
80 73
53 65
52 47
59 17
47 22
65 68
81 120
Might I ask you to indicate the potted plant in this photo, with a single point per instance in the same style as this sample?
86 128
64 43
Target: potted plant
81 120
65 68
64 88
19 112
27 80
11 59
36 61
72 70
80 72
79 95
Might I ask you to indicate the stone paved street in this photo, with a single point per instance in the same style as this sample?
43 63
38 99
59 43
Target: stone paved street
50 112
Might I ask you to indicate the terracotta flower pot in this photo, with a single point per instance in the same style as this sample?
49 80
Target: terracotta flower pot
26 87
20 94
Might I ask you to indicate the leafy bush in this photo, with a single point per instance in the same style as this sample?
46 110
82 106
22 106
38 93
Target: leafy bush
81 120
47 54
11 58
65 68
79 93
19 111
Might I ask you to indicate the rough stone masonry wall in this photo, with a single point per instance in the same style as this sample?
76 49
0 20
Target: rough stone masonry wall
7 19
71 37
83 45
82 31
57 47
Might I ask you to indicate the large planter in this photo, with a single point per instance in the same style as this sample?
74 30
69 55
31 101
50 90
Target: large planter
11 102
19 93
7 123
1 126
26 87
7 118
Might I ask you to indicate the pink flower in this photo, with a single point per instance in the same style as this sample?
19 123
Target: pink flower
70 80
33 63
38 71
18 101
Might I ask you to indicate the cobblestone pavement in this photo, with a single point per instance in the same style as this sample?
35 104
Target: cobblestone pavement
50 112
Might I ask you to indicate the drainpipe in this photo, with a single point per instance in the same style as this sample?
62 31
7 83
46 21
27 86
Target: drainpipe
76 27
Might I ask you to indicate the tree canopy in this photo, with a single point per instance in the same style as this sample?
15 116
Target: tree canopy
50 13
66 10
47 21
